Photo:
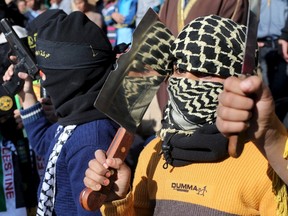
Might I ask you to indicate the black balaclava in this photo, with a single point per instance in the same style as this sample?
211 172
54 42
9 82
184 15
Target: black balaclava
76 57
211 45
35 24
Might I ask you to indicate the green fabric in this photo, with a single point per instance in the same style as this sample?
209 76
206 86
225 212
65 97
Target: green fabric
2 196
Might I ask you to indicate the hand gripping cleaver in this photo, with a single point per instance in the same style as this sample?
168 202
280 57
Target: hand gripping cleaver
130 88
236 142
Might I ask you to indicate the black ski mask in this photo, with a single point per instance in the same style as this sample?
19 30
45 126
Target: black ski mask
76 57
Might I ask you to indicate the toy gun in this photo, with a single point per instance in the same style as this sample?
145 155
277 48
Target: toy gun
25 63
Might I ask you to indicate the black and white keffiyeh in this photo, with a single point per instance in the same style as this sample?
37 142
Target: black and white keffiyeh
191 103
210 45
188 131
47 194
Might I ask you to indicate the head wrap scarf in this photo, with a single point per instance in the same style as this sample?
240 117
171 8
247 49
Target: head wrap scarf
35 24
76 57
209 45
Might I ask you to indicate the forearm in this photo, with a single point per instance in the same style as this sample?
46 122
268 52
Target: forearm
36 126
29 100
274 146
27 94
284 32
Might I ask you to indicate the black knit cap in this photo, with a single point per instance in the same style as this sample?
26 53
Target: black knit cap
58 40
76 57
38 22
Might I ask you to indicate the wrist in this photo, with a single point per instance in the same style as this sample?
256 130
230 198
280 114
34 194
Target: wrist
275 148
118 195
28 99
275 135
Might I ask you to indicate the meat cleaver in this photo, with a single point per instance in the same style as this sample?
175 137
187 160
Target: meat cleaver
236 142
129 90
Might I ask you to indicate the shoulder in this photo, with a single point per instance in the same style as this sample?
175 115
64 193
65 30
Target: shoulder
102 124
154 146
93 14
95 17
151 154
96 134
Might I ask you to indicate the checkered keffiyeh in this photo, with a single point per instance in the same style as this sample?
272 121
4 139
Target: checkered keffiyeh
47 195
153 50
210 44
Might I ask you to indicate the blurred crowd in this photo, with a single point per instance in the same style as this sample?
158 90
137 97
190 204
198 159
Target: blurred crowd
117 18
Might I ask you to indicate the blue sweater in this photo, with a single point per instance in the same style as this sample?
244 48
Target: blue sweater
74 157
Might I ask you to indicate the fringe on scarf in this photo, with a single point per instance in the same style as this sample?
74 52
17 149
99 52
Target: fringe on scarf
280 190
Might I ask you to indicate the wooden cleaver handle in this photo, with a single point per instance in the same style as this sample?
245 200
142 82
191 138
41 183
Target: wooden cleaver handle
236 141
236 145
119 148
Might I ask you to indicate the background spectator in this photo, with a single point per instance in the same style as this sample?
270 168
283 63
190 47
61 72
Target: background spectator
90 11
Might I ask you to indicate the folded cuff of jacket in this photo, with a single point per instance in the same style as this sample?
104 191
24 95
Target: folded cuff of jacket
32 113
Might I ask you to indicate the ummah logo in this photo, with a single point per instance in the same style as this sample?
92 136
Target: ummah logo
182 187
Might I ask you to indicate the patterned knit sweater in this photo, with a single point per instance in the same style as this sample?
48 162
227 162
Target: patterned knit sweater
74 157
239 186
